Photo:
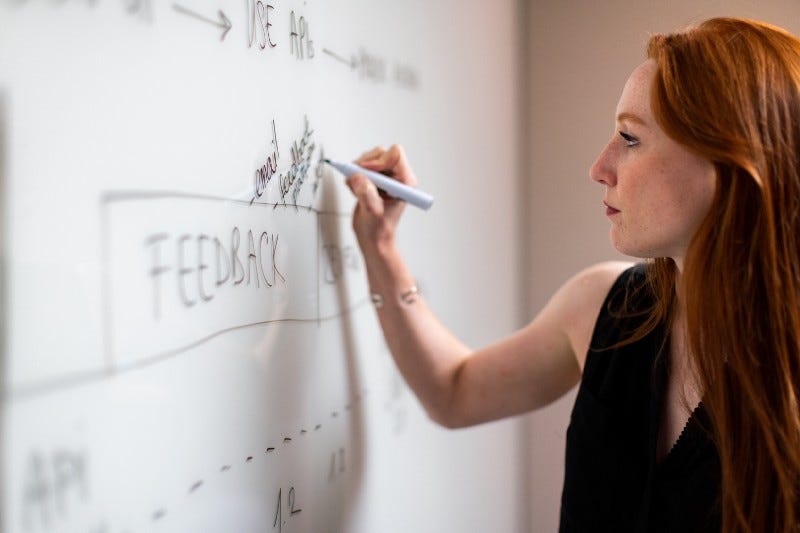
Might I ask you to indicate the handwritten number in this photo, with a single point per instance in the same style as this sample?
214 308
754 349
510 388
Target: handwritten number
278 521
278 514
292 510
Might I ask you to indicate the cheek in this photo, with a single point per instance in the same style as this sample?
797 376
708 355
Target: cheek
692 197
649 199
699 204
662 202
698 189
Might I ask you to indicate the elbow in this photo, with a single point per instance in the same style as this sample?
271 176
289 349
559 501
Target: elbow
441 419
453 423
448 418
444 421
447 410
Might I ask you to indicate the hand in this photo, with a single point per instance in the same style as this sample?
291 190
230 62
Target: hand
376 215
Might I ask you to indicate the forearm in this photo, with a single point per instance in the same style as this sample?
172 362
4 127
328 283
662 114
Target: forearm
459 387
428 356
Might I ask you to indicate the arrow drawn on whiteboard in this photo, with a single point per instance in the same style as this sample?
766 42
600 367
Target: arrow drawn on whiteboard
223 23
352 63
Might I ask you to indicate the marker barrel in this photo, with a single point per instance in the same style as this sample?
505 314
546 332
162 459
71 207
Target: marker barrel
391 186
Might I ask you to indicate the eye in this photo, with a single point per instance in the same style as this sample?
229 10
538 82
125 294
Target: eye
630 140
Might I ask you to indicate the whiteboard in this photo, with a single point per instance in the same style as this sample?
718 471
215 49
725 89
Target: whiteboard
188 340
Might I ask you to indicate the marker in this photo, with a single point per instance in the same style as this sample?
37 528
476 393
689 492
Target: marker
390 186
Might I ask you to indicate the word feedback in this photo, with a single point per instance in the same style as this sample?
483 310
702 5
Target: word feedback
199 265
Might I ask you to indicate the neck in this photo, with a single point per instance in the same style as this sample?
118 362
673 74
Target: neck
678 263
680 307
680 349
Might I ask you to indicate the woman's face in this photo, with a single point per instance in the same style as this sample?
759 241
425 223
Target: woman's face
657 191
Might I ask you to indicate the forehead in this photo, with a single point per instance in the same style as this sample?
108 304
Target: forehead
635 96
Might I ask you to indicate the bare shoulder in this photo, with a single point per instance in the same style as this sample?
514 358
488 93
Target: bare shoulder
579 299
594 281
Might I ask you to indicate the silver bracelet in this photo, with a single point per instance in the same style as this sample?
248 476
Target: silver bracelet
377 300
408 297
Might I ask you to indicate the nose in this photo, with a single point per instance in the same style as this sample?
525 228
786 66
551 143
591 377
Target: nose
602 170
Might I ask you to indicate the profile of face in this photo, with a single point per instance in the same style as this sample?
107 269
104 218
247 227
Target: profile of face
657 191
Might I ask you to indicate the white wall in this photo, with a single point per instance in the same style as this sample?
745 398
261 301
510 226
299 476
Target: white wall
581 53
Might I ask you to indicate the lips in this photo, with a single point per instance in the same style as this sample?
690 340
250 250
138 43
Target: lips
610 210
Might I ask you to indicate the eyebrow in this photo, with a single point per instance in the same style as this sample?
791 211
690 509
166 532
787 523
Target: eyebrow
631 117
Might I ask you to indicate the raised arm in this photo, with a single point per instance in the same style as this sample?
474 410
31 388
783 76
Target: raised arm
457 386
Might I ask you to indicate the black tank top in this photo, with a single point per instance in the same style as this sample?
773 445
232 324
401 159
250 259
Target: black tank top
612 480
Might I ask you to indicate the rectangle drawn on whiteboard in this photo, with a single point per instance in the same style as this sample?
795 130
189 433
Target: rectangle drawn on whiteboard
181 269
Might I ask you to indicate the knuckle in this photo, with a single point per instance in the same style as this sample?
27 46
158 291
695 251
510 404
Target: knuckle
397 150
371 154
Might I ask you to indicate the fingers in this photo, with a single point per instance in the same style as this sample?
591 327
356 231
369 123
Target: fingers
370 154
392 161
376 215
367 194
395 158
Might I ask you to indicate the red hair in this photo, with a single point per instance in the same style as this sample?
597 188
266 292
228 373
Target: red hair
729 90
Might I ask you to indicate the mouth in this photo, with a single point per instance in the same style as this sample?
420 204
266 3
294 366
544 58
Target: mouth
610 210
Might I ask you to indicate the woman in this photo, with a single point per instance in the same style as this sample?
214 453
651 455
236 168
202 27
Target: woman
687 416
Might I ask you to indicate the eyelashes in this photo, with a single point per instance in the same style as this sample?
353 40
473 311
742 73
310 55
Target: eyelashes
629 139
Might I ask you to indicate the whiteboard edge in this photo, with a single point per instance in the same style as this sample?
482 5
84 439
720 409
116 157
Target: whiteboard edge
4 129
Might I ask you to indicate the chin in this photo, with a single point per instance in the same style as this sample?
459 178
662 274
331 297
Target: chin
636 250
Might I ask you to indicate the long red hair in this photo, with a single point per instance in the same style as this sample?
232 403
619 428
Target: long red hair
729 89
